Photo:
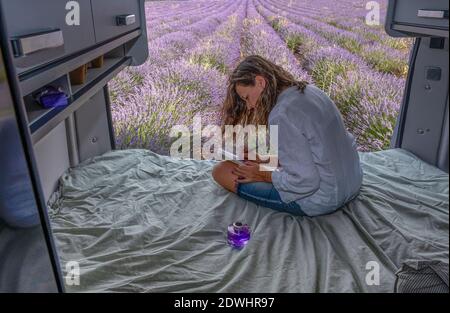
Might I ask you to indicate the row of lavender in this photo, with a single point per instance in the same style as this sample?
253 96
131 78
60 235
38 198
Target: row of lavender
160 26
184 75
261 39
380 56
194 45
351 15
368 99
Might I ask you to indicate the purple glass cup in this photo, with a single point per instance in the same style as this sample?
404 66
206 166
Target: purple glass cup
238 234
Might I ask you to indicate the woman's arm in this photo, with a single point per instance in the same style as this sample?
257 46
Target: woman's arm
298 176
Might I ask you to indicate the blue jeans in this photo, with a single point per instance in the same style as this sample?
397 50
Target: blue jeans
266 195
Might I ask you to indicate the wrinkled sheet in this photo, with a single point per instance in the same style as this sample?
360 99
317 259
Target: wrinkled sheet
140 222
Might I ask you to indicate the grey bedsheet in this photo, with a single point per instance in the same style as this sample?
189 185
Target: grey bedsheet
139 222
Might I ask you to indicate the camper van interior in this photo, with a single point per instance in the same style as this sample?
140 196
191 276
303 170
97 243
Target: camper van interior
80 214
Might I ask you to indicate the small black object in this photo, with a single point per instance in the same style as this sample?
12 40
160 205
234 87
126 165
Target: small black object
437 43
434 73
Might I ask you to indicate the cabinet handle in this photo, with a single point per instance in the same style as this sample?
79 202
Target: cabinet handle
125 20
29 44
440 14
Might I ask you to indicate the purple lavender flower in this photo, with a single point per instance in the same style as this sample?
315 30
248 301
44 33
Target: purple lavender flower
195 44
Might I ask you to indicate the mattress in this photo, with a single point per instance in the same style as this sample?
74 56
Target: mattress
136 221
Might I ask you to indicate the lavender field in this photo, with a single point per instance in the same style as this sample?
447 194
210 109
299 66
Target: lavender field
195 44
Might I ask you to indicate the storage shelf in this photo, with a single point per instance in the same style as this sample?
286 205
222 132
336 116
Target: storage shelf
35 112
37 116
42 121
37 78
94 73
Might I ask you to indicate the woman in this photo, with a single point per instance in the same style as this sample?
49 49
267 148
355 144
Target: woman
318 165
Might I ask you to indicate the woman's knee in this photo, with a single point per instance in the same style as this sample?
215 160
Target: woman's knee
223 174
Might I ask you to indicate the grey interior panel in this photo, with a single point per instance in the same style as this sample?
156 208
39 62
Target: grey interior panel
425 114
24 258
443 157
92 128
72 144
138 48
52 158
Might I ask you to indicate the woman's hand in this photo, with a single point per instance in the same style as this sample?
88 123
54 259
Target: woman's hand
249 172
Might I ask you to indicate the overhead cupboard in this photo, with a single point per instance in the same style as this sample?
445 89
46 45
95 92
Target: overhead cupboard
56 29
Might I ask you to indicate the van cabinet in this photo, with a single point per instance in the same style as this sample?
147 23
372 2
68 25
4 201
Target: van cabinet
43 35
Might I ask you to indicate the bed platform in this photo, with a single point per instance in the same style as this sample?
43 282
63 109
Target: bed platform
140 222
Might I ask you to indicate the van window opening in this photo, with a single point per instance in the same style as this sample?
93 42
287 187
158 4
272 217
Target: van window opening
341 48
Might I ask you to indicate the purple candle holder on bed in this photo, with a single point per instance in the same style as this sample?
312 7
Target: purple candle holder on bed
238 234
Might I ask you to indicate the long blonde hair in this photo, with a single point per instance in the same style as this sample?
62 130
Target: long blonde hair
235 111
